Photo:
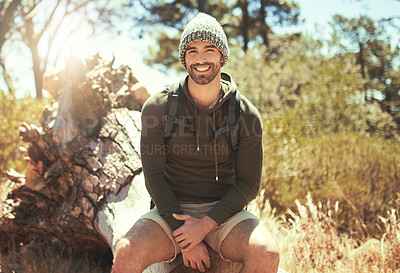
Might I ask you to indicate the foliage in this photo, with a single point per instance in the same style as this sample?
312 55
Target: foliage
13 112
308 92
376 57
246 23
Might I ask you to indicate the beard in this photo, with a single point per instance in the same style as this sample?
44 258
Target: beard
203 79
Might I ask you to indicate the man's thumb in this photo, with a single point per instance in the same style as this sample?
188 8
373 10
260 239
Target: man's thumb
181 217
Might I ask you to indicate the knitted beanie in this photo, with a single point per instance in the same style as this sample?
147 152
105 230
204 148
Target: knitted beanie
204 27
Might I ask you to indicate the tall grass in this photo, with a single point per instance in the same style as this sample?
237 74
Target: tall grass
40 258
311 242
360 171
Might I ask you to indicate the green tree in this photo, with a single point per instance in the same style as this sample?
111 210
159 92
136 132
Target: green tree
376 57
246 22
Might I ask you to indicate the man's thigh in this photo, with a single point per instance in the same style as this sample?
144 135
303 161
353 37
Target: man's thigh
145 243
248 239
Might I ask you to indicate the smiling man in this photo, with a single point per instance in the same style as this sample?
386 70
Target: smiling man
201 149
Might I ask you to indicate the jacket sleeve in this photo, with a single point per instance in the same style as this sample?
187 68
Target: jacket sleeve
249 167
154 158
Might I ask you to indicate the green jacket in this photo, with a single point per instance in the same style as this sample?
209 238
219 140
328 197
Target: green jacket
195 169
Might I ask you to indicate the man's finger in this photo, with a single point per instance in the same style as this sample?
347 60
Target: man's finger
185 246
186 262
207 262
200 267
177 232
182 217
179 238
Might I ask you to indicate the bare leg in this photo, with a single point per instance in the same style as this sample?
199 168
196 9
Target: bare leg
146 243
252 244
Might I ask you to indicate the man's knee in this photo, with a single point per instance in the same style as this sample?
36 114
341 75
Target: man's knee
125 257
263 238
251 241
145 244
129 251
124 250
262 245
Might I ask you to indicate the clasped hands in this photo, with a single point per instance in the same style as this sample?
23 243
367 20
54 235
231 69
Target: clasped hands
190 238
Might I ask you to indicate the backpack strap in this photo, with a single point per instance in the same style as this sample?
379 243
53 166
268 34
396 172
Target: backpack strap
231 114
173 112
233 120
172 118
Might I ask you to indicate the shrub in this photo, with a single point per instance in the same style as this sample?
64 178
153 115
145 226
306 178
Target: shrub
13 112
360 171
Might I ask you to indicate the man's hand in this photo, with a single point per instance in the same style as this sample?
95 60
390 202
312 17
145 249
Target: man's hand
193 230
197 257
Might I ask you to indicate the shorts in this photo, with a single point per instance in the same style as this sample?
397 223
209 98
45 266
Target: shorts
214 238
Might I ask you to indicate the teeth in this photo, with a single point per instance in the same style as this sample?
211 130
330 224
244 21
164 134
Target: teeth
202 68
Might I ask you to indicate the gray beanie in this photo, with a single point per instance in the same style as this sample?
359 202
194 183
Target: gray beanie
204 27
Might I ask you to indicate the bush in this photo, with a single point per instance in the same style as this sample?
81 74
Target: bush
359 171
13 112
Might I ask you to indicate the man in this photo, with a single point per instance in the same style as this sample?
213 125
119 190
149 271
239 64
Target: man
197 184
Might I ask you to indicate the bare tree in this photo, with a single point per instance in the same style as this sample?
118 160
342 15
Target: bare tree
38 24
7 14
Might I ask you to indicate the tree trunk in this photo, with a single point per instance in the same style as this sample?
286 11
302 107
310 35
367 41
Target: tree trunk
37 71
264 28
203 6
8 11
361 60
245 24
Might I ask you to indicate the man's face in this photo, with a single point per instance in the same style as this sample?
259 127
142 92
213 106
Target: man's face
203 62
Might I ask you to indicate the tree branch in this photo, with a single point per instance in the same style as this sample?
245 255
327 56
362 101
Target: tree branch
7 19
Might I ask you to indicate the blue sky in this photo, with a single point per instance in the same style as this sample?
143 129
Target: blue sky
316 13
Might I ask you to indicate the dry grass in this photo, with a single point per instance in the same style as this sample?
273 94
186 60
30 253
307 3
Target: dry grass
311 242
44 259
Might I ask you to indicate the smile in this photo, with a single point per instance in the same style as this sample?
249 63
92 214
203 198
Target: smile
202 69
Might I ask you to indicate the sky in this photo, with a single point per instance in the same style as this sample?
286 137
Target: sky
315 13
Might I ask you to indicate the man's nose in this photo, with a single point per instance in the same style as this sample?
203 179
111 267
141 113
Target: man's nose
201 57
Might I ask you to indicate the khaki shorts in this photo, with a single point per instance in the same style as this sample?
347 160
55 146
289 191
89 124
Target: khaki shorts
214 238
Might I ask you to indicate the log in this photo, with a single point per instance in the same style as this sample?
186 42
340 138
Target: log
83 161
84 186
